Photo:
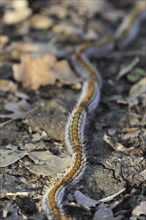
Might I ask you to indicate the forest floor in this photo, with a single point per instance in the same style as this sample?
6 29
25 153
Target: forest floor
39 88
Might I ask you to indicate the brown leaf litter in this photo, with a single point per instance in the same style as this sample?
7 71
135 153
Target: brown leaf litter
35 72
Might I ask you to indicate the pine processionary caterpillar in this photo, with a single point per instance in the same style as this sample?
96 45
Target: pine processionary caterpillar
89 99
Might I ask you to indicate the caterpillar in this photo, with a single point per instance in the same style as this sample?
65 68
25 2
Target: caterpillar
88 101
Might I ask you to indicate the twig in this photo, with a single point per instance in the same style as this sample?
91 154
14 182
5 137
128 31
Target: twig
109 198
127 68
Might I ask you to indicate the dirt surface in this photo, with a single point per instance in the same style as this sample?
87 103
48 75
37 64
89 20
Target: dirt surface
37 97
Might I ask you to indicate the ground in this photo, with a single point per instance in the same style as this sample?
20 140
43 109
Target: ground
39 88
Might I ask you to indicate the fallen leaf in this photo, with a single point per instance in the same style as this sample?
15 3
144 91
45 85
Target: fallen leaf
4 39
17 50
130 133
58 11
24 48
19 110
43 162
90 7
37 146
83 200
117 146
22 95
17 107
143 173
136 75
15 17
41 22
46 163
35 72
68 30
138 88
37 137
15 4
20 13
7 86
103 213
139 210
10 155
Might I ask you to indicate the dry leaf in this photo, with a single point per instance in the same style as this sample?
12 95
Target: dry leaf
37 137
36 72
15 17
58 10
20 110
143 173
46 163
117 146
90 7
17 50
22 95
20 13
68 30
10 155
130 133
139 210
19 4
83 200
7 86
4 39
103 213
138 89
41 22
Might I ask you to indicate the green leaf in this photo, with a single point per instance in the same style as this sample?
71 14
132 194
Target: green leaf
135 75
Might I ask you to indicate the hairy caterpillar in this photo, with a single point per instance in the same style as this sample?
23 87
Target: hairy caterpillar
88 101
